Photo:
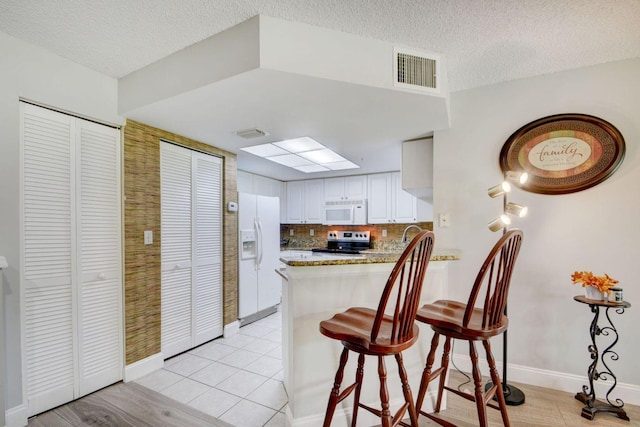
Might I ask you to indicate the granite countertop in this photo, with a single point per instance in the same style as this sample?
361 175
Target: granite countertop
304 258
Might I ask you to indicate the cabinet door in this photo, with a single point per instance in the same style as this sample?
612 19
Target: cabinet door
313 201
295 202
334 189
355 187
405 205
379 204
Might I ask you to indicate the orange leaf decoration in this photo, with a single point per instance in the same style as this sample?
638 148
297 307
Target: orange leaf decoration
603 283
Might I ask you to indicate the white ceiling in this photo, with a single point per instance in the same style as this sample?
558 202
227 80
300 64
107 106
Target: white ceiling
483 41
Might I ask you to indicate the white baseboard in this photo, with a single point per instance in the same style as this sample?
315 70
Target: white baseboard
143 367
342 416
231 329
629 393
17 416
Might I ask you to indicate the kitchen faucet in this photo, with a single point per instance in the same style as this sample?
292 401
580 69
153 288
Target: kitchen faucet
404 233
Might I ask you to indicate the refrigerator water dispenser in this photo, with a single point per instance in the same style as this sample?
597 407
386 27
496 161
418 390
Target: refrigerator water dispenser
248 239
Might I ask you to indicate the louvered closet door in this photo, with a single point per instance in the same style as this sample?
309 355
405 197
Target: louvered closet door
72 286
207 248
100 291
48 269
175 190
191 194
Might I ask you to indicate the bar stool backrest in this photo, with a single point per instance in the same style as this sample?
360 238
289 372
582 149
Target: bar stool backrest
494 278
405 284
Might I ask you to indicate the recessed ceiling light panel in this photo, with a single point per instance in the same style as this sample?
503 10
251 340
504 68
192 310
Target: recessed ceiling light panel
265 150
299 145
304 154
311 168
346 164
291 160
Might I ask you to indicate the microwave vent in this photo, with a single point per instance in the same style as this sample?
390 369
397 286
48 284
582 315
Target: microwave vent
344 202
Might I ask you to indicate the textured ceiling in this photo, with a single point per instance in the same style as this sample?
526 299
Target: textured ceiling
484 41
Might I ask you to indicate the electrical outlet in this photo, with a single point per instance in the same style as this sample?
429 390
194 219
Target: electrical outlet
311 232
148 237
291 232
445 220
384 233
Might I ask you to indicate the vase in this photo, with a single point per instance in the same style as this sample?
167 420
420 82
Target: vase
593 293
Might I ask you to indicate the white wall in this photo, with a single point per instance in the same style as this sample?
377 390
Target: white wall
596 229
33 73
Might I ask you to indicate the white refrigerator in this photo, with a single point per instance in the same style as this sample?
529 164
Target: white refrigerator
260 287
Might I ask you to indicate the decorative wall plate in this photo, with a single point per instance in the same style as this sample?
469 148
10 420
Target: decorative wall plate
564 153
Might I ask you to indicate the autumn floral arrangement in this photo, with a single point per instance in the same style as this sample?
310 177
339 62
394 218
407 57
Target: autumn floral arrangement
602 283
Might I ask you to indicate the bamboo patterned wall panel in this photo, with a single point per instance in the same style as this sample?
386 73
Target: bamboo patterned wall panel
142 212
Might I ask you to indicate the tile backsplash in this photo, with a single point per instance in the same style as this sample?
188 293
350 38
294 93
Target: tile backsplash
302 238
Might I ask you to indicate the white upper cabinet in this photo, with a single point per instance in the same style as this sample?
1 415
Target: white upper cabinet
379 203
346 188
305 200
404 204
388 202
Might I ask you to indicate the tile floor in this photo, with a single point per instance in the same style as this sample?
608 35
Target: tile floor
236 379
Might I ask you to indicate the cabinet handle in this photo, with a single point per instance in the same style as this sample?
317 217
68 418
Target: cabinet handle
178 266
102 276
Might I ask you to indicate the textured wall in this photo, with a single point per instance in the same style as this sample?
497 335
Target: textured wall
142 212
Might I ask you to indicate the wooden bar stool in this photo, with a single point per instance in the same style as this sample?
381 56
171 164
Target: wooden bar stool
466 322
374 333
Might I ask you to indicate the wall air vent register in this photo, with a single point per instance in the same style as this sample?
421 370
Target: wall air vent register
415 70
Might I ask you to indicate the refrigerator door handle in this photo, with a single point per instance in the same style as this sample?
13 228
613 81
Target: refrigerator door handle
260 251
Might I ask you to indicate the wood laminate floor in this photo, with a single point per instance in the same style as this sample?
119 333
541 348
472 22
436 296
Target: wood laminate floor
543 407
125 405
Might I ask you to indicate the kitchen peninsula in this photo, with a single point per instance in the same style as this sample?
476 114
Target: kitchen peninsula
315 287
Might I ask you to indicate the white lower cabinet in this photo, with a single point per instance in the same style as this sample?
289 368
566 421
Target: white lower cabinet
191 248
71 277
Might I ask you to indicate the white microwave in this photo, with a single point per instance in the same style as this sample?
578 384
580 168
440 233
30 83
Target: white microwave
345 212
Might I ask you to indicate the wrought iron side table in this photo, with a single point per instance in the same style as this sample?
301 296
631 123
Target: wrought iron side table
588 394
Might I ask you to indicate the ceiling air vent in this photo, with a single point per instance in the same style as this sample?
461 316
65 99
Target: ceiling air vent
251 133
415 70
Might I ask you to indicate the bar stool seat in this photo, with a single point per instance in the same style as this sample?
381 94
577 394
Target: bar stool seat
374 333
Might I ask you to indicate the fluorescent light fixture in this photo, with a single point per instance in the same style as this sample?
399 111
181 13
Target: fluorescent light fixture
346 164
298 145
322 156
265 150
303 154
311 168
290 160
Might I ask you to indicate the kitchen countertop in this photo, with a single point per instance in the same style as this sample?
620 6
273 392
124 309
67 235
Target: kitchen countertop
303 258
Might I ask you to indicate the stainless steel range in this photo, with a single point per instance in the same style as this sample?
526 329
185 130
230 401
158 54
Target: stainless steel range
346 242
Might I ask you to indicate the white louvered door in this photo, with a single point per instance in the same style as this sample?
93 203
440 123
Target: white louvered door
191 224
48 266
175 196
207 248
71 277
99 283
